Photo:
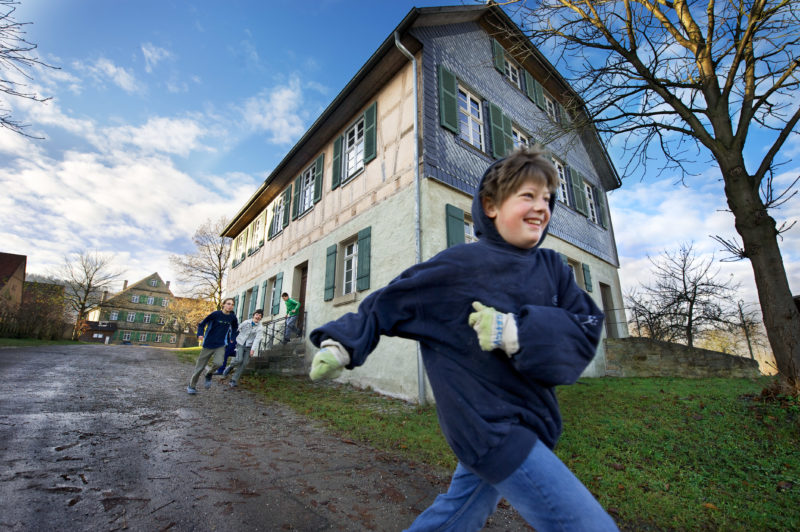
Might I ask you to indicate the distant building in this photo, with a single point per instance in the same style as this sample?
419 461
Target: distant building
389 169
12 280
139 313
101 332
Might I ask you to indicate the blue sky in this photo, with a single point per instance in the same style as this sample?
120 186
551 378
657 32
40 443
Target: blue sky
167 113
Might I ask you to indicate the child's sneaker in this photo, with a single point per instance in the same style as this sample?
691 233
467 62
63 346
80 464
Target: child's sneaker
208 381
227 370
190 390
233 384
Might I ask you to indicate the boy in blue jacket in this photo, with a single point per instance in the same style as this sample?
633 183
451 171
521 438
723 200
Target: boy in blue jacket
213 334
500 322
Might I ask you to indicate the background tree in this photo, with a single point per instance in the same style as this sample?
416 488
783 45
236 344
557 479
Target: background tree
16 59
676 81
85 275
685 298
183 314
203 272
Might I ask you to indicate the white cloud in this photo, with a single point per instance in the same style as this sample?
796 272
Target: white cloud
153 55
103 70
179 136
277 112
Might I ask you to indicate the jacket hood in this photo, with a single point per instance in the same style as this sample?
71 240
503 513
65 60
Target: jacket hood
484 226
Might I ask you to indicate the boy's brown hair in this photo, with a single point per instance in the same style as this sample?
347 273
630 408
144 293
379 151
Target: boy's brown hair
508 175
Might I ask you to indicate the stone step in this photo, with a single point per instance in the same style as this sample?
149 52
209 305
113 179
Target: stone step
283 359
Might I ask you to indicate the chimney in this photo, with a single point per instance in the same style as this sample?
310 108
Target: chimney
167 285
105 296
125 284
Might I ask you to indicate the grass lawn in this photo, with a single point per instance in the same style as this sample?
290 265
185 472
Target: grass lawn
658 453
28 342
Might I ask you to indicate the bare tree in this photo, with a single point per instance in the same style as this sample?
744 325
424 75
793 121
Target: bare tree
16 58
686 81
204 270
686 297
85 275
183 314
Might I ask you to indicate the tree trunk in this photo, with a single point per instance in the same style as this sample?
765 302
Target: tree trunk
760 238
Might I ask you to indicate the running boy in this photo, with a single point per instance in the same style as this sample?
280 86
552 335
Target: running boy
212 334
292 306
247 341
500 322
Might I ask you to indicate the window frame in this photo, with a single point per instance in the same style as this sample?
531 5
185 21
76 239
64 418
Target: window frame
563 184
307 183
512 72
146 318
134 298
467 120
591 208
552 109
153 282
131 318
143 337
126 336
349 266
113 315
353 152
519 137
278 207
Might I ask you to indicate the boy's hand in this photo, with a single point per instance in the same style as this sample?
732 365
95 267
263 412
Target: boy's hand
325 365
495 330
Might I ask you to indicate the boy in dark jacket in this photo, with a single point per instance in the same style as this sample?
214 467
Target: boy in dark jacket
213 334
500 323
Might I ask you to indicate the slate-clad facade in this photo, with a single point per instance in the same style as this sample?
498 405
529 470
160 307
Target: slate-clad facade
350 207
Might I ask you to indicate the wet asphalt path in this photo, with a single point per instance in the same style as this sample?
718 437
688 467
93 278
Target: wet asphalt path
96 437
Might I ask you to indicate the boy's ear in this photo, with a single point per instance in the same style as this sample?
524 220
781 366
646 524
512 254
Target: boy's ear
489 208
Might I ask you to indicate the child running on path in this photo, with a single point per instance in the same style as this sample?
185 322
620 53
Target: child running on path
212 334
501 323
247 342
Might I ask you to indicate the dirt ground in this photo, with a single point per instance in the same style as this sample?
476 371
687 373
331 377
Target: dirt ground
96 437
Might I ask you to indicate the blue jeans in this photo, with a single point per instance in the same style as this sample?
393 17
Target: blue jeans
291 325
542 489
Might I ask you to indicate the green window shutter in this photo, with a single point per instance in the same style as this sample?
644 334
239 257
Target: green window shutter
296 199
577 192
498 54
241 310
562 113
538 95
587 277
270 232
235 304
336 176
501 139
564 259
253 299
330 272
263 294
318 165
529 86
455 225
364 251
370 132
602 212
448 100
276 297
287 200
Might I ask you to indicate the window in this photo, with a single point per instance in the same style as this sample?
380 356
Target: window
470 118
307 189
582 272
151 300
520 138
277 216
113 315
590 204
126 336
552 109
131 316
563 186
162 320
469 230
258 232
511 71
134 299
164 302
146 318
241 244
347 265
172 339
143 337
158 338
153 282
354 149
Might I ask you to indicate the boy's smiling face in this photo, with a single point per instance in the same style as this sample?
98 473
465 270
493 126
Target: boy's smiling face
523 216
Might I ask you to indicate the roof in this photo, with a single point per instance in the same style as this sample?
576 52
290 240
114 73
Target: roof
384 63
9 264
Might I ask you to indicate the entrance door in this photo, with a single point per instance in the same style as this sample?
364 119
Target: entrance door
302 296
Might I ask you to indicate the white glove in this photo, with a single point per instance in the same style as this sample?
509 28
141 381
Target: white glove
495 330
329 362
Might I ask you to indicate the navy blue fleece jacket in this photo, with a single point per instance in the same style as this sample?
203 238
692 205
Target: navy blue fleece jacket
491 408
215 327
